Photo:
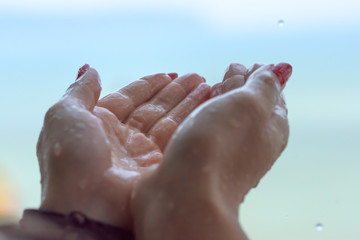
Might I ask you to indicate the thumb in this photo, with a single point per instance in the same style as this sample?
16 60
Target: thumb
267 82
85 91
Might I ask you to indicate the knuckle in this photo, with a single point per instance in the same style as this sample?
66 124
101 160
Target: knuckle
56 112
253 68
269 81
233 82
234 69
52 112
266 81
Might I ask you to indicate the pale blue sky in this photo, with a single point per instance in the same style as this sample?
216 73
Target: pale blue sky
43 43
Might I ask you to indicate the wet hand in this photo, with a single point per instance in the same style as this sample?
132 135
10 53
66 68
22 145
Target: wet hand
216 156
91 151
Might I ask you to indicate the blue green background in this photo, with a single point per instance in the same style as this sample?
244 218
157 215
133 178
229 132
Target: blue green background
316 180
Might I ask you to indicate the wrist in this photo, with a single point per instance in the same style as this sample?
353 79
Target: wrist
52 225
182 209
93 203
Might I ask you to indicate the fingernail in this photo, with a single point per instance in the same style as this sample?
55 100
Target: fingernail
83 70
173 75
283 72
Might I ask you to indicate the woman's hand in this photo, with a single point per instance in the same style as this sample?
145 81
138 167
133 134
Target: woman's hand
90 152
215 157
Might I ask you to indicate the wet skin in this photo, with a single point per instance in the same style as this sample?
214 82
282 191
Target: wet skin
120 162
90 152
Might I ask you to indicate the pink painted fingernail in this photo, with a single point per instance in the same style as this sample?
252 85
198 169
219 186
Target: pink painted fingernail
283 72
173 75
83 70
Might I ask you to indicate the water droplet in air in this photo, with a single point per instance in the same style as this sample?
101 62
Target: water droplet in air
281 23
57 149
319 227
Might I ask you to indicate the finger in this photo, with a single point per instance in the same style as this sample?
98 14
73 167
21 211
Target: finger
216 90
234 77
266 83
127 99
144 117
279 124
253 68
161 132
85 91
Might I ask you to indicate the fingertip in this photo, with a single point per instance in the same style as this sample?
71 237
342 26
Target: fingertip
86 89
82 71
283 72
173 75
234 69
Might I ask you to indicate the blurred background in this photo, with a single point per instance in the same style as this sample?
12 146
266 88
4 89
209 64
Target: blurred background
312 192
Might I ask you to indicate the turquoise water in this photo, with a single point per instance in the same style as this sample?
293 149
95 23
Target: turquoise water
314 181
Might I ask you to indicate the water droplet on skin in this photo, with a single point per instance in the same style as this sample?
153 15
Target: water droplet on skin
212 110
123 173
234 123
319 227
80 125
56 117
281 23
57 149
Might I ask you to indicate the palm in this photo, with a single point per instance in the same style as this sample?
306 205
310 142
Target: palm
110 142
137 127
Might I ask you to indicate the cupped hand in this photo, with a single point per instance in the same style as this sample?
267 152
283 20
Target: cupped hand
90 152
241 131
216 156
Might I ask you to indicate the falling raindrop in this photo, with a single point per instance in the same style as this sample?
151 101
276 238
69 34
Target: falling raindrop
319 227
281 23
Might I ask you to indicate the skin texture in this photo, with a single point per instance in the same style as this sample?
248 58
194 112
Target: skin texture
131 160
90 152
215 157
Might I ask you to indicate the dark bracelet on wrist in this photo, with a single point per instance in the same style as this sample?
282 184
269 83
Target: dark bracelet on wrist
43 224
